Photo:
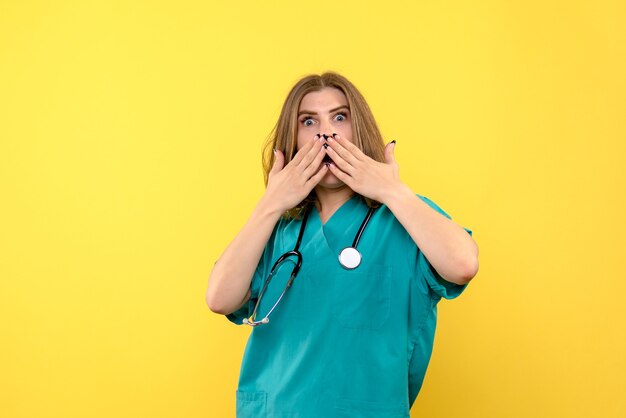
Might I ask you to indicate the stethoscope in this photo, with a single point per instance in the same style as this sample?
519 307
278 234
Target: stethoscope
349 258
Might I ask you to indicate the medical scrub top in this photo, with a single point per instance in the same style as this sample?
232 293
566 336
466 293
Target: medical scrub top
341 343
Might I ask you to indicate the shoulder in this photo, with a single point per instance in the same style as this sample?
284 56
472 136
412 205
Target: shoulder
425 199
433 205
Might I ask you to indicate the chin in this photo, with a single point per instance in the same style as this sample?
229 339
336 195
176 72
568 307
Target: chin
330 181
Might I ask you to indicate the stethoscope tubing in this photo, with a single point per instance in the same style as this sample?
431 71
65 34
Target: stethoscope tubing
357 238
296 252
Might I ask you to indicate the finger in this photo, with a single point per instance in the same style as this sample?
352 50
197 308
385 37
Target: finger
314 165
279 161
340 175
346 149
389 152
339 161
342 151
304 150
310 154
317 177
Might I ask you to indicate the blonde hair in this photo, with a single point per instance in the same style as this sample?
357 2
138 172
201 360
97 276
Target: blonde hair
284 135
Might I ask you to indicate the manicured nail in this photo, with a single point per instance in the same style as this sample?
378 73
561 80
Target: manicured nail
319 135
393 142
325 145
274 151
327 164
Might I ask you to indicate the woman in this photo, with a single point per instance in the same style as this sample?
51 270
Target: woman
352 335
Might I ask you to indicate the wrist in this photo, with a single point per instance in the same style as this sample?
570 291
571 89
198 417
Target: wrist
396 195
269 207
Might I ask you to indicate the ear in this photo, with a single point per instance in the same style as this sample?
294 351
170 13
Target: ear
389 150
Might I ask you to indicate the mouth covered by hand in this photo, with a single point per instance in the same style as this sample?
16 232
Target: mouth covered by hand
327 158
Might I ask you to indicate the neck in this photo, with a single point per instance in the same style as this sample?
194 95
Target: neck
329 200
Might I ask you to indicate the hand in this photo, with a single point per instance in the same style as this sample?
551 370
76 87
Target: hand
289 185
361 173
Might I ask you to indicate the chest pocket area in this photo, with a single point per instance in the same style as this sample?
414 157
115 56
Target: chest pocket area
251 404
361 297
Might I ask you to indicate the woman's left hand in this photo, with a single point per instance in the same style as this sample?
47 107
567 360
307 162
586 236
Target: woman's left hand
361 173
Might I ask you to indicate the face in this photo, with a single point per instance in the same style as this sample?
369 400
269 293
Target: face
325 112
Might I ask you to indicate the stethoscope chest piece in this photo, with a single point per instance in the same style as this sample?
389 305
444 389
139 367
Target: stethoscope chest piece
350 258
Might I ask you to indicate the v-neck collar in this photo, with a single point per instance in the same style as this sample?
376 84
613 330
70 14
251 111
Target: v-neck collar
340 229
344 206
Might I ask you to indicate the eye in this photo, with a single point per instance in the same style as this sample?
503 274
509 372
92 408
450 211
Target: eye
306 121
341 116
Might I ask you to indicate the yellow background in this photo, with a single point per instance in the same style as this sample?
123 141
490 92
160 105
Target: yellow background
130 139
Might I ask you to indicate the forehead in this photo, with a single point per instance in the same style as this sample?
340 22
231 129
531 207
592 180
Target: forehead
327 98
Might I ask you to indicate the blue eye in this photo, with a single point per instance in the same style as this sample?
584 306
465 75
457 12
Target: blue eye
305 120
342 115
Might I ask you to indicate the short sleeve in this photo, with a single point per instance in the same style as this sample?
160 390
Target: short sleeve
246 310
438 285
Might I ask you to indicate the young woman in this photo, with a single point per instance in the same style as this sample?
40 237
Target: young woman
339 268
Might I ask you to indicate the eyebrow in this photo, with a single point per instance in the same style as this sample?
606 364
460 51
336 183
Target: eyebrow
308 112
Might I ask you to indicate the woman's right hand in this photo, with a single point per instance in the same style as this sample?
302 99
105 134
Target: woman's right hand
289 185
231 276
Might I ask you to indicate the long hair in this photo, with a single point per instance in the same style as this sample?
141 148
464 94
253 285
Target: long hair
284 136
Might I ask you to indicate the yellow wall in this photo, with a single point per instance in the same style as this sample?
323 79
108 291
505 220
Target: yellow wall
130 137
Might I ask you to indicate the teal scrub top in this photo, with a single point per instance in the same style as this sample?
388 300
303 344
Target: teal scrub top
341 343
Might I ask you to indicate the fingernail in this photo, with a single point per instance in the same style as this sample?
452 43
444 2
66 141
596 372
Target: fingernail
319 135
327 164
393 142
325 145
274 151
334 134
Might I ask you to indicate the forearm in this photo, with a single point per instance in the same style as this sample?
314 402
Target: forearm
232 274
446 245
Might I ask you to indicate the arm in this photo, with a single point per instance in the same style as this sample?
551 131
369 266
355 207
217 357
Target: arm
229 282
446 245
230 279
